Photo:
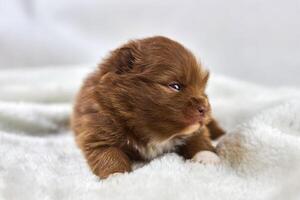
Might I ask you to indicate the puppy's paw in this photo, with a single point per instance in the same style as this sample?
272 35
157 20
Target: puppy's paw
206 157
114 174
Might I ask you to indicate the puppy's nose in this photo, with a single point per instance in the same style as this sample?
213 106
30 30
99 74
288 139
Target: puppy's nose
202 110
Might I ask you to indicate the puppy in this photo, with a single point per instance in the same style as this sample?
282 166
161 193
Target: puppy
145 99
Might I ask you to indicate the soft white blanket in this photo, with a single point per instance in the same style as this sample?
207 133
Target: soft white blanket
39 159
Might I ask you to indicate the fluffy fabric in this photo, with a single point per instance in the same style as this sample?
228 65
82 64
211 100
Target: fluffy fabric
39 159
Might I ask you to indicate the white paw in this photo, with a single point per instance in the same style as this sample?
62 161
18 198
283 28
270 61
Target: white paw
115 174
206 157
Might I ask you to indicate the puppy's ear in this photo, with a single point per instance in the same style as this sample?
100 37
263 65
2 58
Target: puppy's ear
125 57
205 77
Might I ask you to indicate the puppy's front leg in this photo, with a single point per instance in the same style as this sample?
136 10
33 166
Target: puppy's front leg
105 161
215 131
199 148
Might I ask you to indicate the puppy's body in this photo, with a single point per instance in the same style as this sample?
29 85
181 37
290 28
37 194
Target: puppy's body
147 98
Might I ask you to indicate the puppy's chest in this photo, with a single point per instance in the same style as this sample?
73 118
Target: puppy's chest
154 149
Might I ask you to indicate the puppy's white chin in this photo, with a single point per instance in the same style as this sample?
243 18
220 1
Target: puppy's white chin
206 157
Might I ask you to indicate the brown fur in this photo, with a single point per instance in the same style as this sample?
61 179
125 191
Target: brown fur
126 110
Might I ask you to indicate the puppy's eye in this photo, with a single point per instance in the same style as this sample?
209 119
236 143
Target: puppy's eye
175 86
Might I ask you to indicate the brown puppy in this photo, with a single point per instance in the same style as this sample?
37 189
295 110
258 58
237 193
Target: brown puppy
147 98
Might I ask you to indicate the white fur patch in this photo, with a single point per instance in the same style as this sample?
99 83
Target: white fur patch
155 149
206 157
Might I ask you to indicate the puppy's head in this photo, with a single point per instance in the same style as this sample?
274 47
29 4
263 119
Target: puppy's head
157 86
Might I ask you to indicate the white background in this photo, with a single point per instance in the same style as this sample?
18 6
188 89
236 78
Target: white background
253 40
